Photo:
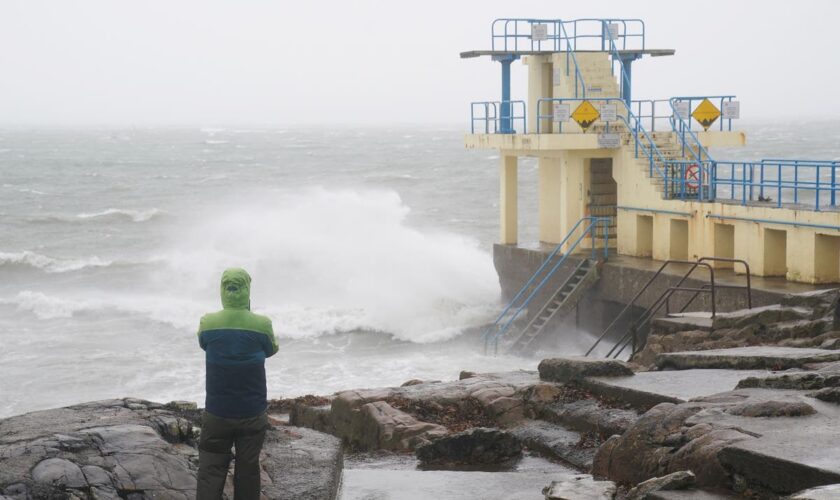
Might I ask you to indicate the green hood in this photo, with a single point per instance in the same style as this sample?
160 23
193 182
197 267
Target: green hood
236 289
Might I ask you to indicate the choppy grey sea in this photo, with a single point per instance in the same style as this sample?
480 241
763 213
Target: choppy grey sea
370 249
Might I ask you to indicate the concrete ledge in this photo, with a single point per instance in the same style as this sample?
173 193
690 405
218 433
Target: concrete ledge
647 389
691 495
746 358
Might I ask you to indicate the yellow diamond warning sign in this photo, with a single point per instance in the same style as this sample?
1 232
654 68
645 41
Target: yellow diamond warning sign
706 113
585 115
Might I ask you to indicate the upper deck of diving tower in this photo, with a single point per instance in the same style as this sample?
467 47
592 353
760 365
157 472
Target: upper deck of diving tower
645 164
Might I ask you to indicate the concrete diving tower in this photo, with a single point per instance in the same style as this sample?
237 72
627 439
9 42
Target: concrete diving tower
645 163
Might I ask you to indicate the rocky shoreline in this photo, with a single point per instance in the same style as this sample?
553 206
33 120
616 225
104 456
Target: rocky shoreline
743 405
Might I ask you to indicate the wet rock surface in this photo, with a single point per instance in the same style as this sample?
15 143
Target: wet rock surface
692 494
674 481
590 415
828 492
478 446
573 448
806 320
402 418
751 440
381 426
130 448
580 488
746 358
564 370
828 394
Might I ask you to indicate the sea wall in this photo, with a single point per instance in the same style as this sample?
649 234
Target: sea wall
623 277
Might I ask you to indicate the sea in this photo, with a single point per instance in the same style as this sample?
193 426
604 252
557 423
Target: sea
369 247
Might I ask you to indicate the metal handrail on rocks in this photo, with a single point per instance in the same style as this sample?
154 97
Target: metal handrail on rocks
631 337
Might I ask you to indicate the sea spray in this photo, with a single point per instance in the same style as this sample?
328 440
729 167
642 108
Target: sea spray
333 260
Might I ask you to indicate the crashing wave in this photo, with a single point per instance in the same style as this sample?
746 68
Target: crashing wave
50 264
134 215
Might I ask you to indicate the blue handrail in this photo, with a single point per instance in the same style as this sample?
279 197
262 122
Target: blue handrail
650 114
613 50
570 54
724 124
511 35
488 112
778 180
589 230
681 125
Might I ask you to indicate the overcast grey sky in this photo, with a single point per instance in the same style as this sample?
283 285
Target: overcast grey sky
186 62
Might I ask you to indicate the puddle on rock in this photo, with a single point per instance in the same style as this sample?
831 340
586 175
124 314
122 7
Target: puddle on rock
387 476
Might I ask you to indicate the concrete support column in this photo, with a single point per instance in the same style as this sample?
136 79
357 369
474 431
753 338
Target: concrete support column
801 256
509 185
550 199
573 205
539 86
562 196
750 245
671 238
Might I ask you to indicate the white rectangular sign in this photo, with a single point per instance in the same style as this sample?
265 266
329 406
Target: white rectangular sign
609 141
539 32
731 110
561 112
611 33
681 108
608 113
556 76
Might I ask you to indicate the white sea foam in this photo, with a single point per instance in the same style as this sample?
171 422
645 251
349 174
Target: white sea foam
50 264
24 189
134 215
327 261
178 312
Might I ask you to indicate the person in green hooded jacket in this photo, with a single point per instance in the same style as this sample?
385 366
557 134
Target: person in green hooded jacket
236 343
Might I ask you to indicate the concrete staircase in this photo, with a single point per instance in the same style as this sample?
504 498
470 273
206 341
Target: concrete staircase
669 147
599 83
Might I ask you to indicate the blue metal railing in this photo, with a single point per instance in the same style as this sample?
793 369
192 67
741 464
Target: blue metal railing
516 34
589 227
624 78
646 111
570 55
724 124
699 161
778 181
493 114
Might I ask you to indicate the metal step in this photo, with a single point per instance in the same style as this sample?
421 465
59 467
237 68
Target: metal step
561 303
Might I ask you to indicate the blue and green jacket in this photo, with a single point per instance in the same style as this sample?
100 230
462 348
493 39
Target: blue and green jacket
236 343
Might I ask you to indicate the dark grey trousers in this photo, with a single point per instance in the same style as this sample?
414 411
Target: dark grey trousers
218 435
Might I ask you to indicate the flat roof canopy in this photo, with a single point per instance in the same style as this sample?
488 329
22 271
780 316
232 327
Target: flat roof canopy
639 53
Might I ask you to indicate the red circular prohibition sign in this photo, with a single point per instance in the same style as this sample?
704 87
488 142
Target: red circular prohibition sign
692 176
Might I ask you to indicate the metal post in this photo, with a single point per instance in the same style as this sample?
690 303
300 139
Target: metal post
506 125
752 178
817 194
761 180
779 183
